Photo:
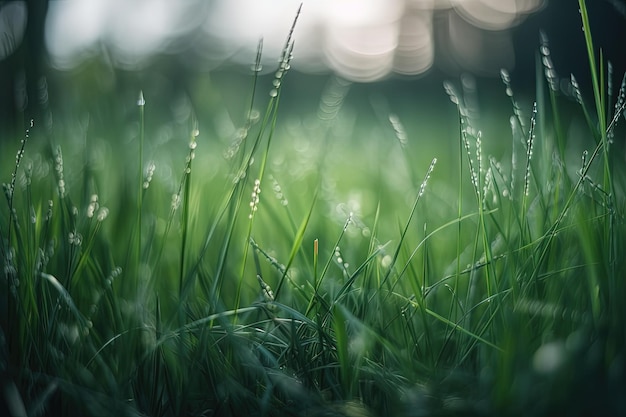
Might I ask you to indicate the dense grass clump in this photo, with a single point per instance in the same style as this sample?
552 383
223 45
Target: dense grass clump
248 281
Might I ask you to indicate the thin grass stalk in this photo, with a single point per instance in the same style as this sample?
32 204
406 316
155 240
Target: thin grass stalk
374 269
596 82
138 238
176 198
423 304
226 204
12 258
354 275
477 181
270 114
231 205
84 256
341 342
25 291
186 203
12 268
490 275
255 78
315 294
297 244
456 326
282 269
464 127
132 361
459 213
258 181
232 208
546 152
10 192
431 234
599 91
408 222
525 227
546 239
274 101
315 261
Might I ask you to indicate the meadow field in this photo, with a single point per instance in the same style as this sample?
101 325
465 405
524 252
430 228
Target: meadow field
281 244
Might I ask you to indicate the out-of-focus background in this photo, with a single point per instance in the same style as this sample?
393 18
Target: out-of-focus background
75 52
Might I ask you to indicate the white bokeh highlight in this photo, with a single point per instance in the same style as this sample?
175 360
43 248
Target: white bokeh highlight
361 40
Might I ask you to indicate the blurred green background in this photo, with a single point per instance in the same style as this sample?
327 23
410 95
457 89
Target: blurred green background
94 58
82 92
65 67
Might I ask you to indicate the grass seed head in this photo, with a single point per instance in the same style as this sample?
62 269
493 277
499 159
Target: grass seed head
149 174
548 65
93 206
255 198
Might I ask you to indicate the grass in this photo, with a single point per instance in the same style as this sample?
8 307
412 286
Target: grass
130 291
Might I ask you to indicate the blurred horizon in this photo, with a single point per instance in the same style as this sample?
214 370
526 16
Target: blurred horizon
94 47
